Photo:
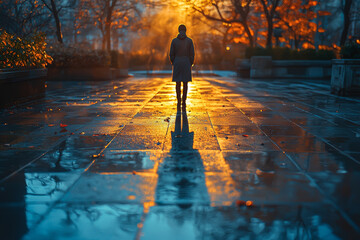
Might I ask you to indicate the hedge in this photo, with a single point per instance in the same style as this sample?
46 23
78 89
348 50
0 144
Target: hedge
66 56
290 54
350 50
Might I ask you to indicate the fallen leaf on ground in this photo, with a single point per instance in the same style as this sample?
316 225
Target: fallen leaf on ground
63 125
240 203
63 130
260 172
96 155
245 135
249 203
133 172
96 135
51 125
82 133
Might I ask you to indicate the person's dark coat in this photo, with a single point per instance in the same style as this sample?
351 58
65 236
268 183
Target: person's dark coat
182 57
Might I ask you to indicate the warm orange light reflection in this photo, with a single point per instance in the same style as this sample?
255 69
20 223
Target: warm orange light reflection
218 180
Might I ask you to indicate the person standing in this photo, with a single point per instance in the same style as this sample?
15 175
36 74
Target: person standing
182 56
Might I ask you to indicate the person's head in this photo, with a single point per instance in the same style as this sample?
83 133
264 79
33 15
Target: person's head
182 28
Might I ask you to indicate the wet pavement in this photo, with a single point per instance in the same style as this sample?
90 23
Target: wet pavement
246 160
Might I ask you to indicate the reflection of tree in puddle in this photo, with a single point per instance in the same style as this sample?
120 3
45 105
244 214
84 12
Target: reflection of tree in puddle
78 217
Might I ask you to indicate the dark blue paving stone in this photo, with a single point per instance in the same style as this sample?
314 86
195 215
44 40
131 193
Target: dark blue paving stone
354 155
63 158
260 113
137 142
277 187
121 187
39 142
301 144
287 130
264 161
330 162
16 129
12 160
345 143
343 189
5 140
312 121
125 161
81 140
332 131
247 143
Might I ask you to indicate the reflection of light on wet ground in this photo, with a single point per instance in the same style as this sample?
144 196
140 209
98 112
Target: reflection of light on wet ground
154 180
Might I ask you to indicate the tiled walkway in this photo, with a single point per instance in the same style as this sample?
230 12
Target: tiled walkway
116 160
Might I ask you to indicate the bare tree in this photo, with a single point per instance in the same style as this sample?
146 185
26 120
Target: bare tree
269 8
22 17
54 9
228 12
108 15
346 9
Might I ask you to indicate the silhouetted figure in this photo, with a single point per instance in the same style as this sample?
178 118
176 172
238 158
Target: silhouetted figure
182 58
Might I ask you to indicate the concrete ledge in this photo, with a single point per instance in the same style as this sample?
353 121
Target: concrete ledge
311 69
21 85
265 67
86 74
345 78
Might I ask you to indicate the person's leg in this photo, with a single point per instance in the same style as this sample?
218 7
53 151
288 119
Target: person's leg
185 89
178 92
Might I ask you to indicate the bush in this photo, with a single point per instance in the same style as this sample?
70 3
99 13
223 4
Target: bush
350 51
78 57
290 54
23 53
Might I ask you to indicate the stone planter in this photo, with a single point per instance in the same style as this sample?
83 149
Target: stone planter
261 67
301 69
21 85
86 74
266 68
243 68
345 77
